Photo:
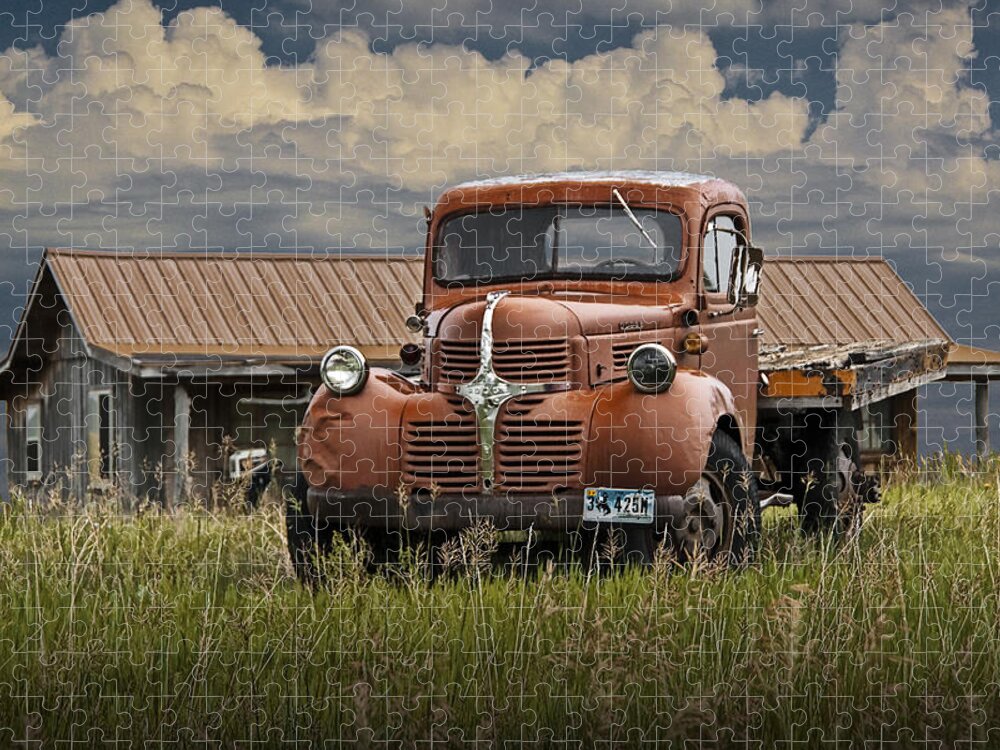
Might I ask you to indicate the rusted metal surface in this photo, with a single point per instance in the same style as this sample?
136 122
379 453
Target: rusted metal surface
451 512
567 339
843 328
392 431
278 307
685 194
838 356
839 302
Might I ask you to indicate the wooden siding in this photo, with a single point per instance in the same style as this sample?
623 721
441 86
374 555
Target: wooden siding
61 380
146 460
59 386
62 390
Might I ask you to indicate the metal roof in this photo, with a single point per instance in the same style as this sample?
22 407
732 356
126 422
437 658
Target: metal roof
282 307
972 363
840 302
191 308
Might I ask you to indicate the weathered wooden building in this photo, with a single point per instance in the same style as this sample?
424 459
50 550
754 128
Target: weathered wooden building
149 372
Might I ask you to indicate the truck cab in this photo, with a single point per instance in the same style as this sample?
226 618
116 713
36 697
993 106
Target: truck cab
588 361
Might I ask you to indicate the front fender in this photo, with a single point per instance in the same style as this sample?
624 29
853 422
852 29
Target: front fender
655 440
354 441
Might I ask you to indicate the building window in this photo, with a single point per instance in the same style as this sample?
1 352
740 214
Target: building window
718 257
100 436
878 428
33 440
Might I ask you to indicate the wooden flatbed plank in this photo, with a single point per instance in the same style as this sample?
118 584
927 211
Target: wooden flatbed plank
808 383
837 356
871 378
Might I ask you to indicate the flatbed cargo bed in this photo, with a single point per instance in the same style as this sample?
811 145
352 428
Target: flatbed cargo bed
843 332
847 374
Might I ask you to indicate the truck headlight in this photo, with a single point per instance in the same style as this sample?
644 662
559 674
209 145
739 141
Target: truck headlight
344 370
651 368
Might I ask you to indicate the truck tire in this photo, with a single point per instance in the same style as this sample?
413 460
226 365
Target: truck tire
308 540
829 499
731 488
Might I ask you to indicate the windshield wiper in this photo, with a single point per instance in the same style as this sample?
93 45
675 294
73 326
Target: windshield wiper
634 219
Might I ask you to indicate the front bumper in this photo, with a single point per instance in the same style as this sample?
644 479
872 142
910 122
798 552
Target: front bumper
506 511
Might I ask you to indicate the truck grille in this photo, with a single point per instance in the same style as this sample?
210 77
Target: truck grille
537 452
534 451
620 352
442 449
525 361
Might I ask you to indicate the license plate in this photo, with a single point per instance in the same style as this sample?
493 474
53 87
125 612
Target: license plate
609 505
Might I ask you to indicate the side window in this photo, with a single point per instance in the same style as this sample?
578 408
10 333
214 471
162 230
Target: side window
33 440
100 436
878 428
719 249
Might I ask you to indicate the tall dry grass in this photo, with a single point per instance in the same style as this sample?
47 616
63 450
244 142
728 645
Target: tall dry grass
185 628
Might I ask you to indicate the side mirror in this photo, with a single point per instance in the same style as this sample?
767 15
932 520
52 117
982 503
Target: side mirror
745 276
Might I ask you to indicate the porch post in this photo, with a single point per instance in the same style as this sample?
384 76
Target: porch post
182 428
982 414
905 416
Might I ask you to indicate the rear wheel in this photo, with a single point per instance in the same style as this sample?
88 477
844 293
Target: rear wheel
721 520
832 496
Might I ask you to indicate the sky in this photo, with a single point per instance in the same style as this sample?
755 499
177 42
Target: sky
854 128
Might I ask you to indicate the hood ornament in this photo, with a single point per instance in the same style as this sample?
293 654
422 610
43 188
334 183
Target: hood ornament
487 392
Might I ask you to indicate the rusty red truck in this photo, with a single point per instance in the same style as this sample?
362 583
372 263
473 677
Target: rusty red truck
588 359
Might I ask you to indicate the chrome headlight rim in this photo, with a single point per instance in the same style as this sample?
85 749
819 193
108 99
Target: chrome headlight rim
654 387
362 376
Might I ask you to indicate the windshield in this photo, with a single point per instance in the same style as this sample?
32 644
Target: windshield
564 242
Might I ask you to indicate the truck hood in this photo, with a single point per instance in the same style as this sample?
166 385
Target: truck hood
526 317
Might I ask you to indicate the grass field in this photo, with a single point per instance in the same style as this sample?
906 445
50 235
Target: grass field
188 629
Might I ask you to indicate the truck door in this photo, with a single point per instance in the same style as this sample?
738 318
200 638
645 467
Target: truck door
729 337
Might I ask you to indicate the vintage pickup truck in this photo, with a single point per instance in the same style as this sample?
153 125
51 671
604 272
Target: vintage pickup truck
589 362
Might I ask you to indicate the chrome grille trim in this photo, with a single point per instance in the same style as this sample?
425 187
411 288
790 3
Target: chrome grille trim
519 360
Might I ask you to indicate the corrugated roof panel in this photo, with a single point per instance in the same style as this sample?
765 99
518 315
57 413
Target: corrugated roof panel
222 293
817 301
87 299
150 301
308 307
852 319
266 305
774 313
206 321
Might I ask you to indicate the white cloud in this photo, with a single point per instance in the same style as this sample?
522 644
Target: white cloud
134 119
439 113
905 119
739 75
554 23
